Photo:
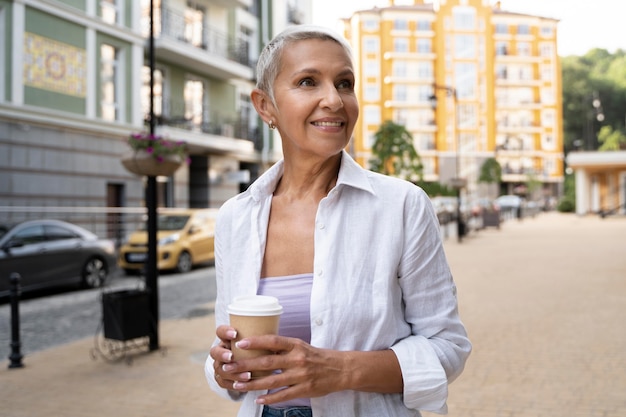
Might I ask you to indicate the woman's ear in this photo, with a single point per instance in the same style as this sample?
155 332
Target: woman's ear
262 104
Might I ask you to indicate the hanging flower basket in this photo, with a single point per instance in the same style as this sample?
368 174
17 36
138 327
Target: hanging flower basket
153 155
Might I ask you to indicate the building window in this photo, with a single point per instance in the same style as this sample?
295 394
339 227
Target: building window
371 68
194 102
400 24
372 92
502 29
401 45
424 46
546 49
425 70
464 18
423 25
109 72
194 25
547 74
467 115
371 115
464 46
370 45
145 92
523 49
523 29
109 10
400 93
547 31
502 48
501 72
370 25
466 79
399 69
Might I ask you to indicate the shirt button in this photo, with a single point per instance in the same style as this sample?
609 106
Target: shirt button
320 273
322 226
319 322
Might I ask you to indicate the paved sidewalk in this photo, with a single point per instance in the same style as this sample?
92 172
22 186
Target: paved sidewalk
544 301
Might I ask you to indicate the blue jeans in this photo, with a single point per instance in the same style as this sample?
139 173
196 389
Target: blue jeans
287 412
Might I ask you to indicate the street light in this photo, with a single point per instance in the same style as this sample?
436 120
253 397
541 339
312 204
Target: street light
457 182
595 110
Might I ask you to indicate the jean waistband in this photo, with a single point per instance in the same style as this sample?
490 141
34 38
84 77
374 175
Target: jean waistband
287 412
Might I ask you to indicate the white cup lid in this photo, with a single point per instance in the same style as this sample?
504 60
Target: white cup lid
255 305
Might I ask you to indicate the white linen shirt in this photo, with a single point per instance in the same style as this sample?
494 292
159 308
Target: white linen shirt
381 281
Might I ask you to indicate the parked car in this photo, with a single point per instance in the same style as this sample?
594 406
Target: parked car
445 207
53 253
512 204
185 238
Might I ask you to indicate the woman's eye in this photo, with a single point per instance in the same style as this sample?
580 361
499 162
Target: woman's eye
307 82
345 84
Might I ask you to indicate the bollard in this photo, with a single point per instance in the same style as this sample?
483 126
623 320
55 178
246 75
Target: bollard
16 356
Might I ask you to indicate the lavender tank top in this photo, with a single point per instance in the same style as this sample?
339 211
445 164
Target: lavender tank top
294 294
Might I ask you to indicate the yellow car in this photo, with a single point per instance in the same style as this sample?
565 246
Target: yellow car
185 238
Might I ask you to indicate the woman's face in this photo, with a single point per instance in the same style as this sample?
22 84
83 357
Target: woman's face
316 108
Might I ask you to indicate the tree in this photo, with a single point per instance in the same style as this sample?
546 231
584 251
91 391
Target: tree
393 153
611 140
490 171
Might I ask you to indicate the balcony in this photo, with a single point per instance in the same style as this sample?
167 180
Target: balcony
208 51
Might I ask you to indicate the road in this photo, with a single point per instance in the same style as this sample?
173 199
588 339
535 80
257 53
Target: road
52 320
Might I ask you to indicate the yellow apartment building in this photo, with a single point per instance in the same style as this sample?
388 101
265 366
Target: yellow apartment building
470 81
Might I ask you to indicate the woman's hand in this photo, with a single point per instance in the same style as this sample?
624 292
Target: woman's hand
305 371
223 356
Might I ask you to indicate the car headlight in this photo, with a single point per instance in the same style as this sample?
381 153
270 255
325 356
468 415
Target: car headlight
170 239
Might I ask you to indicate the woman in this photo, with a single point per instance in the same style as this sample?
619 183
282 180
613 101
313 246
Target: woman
370 326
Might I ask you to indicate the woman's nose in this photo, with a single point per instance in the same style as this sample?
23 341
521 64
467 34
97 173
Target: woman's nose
331 98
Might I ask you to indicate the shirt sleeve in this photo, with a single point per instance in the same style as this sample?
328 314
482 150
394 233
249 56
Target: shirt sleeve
438 347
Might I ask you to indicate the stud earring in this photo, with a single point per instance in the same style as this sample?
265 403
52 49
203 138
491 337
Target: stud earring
271 125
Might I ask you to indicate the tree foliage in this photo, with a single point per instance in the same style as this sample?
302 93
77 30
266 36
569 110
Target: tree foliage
393 153
604 74
490 171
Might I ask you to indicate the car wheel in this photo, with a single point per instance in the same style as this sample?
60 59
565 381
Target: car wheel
184 263
94 273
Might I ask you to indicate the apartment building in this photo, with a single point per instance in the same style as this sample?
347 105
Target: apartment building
75 83
470 81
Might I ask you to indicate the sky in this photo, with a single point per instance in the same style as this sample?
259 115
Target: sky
584 24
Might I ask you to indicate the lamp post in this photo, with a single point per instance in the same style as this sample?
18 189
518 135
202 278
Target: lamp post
457 182
151 204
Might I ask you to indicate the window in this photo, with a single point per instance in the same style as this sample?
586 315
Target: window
399 69
502 29
109 10
371 115
464 18
30 235
400 93
423 25
59 233
464 46
523 29
547 74
371 93
466 79
400 24
370 24
502 48
425 70
401 45
370 44
424 46
145 92
501 72
371 68
547 31
109 80
524 49
546 49
194 25
194 102
467 115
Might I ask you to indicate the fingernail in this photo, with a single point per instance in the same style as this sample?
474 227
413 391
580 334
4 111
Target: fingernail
242 344
227 357
246 376
227 367
238 385
260 401
231 333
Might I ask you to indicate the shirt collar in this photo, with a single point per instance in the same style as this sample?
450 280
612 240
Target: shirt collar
351 174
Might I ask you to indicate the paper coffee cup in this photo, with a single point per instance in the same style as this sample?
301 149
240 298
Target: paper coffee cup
253 315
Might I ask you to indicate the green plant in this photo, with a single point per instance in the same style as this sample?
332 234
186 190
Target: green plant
157 146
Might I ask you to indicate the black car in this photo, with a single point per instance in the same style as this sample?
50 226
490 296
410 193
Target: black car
51 253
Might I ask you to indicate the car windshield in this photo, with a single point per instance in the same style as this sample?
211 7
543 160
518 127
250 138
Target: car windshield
172 222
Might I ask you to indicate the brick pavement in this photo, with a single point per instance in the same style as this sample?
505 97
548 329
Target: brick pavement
543 300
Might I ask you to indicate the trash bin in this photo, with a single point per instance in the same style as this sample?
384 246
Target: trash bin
126 314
